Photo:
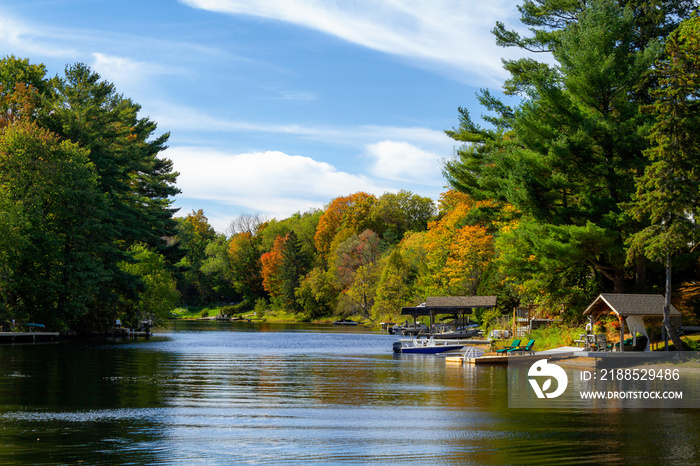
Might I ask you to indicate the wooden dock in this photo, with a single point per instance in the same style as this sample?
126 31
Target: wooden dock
18 337
492 359
566 352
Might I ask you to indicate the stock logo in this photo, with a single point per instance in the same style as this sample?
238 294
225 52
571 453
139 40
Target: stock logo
552 372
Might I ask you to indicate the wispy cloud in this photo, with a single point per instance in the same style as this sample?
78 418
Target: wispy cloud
298 96
105 50
125 71
454 33
187 119
21 38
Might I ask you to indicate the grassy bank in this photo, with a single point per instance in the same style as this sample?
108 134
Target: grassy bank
274 316
550 337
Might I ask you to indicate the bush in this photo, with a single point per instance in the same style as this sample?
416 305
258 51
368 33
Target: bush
554 336
228 310
204 313
260 307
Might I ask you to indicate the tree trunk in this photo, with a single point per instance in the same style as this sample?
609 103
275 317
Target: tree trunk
619 280
670 331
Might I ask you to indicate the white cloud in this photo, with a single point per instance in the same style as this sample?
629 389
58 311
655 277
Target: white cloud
401 161
273 183
187 119
455 33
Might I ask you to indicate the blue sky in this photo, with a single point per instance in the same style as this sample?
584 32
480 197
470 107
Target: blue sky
279 106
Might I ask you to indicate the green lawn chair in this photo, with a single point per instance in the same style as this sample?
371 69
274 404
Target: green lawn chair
512 346
525 349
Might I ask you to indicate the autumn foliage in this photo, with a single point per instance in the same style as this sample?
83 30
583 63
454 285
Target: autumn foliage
271 262
348 210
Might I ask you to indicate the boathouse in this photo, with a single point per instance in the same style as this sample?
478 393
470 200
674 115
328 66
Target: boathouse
458 306
630 309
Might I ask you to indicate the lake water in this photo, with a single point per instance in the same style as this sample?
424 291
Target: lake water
253 393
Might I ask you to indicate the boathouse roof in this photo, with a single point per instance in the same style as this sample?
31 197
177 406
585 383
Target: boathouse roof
629 305
449 305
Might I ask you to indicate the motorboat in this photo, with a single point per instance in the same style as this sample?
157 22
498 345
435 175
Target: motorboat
451 330
344 322
427 345
408 329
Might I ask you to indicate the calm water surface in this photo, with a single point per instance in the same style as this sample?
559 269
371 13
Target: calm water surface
243 393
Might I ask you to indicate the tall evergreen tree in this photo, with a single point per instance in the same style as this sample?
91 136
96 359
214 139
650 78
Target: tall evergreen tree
567 156
294 266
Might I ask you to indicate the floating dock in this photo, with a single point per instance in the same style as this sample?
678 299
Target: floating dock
566 355
18 337
564 352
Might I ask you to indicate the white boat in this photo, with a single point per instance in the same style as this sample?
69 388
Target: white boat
451 330
408 329
428 345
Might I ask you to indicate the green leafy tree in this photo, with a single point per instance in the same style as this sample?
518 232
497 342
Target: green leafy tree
303 225
159 295
394 285
317 293
244 257
194 235
14 71
393 214
53 267
218 271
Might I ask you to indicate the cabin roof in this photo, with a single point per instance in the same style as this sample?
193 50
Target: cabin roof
629 305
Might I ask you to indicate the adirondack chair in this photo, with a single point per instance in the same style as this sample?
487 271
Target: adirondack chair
525 349
512 346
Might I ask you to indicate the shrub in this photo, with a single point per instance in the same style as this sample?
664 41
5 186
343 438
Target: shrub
554 336
228 310
260 307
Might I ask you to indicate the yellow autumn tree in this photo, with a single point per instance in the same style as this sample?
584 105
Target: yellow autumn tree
456 253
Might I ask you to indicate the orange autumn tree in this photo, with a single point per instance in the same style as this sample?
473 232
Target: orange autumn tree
351 210
271 264
456 253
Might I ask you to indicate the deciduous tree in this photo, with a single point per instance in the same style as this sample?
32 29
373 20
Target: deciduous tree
54 265
159 294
